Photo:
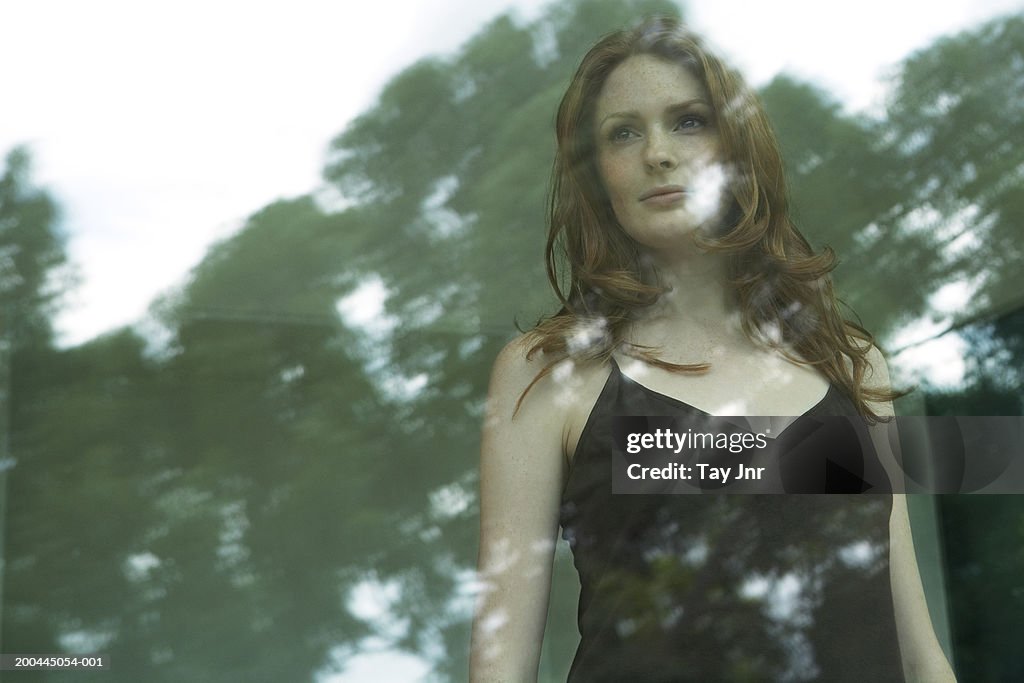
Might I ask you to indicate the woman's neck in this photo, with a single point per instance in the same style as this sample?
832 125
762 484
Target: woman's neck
698 293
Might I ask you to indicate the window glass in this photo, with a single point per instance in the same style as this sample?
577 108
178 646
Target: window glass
271 473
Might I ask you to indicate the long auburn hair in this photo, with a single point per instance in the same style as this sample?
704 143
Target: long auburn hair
783 288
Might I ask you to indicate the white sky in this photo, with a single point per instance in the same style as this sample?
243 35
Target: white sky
160 126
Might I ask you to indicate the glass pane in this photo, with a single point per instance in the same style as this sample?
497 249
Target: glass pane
271 473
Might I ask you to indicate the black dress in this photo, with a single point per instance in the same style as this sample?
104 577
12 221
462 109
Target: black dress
719 588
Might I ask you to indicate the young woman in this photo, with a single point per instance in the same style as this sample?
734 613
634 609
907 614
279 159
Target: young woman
688 293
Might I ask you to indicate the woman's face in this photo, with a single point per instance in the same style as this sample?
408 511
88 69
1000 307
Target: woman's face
658 151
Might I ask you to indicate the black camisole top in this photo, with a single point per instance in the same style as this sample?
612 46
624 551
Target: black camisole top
718 588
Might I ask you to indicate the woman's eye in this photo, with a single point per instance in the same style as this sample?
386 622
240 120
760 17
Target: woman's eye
620 134
691 121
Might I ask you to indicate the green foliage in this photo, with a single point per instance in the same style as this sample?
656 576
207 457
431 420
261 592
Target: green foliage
839 174
288 264
31 254
956 111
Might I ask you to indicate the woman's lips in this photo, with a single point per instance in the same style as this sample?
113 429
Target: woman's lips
663 196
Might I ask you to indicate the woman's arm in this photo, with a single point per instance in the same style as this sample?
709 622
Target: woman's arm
923 658
521 475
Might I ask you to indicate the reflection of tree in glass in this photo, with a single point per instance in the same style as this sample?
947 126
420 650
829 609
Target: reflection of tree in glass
31 255
689 575
984 535
210 506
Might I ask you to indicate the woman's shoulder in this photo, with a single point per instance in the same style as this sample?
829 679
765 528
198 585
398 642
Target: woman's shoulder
876 369
873 376
523 364
554 388
513 375
517 360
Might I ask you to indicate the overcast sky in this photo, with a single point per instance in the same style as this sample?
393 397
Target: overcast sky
160 126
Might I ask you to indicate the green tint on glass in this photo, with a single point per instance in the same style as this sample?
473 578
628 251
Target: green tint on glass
283 480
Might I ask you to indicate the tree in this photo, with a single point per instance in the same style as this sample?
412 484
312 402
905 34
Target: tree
957 109
31 255
841 172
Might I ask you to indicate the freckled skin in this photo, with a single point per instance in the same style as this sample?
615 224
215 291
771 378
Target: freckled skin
646 139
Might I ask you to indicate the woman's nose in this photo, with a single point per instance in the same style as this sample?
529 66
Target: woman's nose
659 154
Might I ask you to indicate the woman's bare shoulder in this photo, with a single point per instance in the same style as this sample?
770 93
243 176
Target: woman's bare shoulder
517 363
877 371
560 388
520 362
878 367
